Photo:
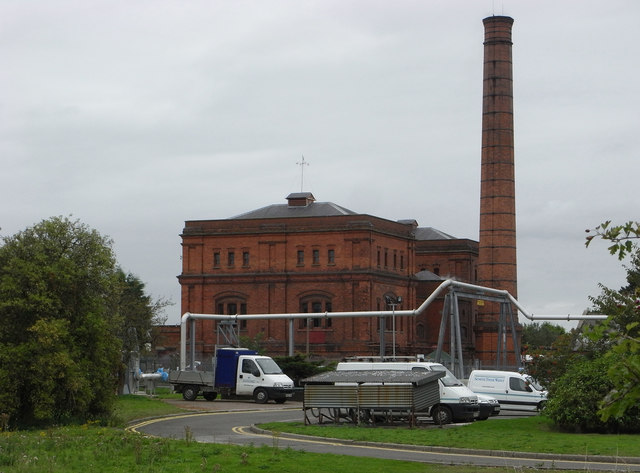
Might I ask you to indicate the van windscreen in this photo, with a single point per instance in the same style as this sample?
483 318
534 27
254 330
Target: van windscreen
449 379
535 384
269 366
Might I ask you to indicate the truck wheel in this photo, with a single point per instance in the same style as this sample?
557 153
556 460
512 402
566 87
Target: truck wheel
260 396
441 415
190 393
210 395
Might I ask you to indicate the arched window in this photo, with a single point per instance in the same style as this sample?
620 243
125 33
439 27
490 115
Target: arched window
232 304
315 304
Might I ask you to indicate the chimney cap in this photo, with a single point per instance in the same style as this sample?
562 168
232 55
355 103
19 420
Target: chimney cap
508 19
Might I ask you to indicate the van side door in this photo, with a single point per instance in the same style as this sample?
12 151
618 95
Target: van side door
520 395
249 377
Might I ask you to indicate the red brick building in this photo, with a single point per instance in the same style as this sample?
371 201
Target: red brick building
308 256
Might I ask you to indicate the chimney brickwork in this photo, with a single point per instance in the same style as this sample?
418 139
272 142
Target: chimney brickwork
497 240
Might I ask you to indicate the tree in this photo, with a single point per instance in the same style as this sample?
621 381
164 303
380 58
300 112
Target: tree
622 304
547 365
63 307
537 336
602 393
622 330
138 316
298 367
622 334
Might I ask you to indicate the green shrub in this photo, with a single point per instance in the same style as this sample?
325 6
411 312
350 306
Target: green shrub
297 367
576 397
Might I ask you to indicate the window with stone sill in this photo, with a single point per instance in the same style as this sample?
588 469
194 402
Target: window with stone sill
245 259
231 259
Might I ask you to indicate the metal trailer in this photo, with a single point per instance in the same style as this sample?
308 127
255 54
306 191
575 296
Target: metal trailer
366 397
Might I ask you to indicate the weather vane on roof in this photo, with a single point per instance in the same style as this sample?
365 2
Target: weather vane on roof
302 164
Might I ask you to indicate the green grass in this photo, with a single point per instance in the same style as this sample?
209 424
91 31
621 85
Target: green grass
131 407
167 393
96 448
528 434
104 449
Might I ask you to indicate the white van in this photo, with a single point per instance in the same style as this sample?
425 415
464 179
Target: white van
514 391
457 402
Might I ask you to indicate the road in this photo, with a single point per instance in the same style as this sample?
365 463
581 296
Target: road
230 422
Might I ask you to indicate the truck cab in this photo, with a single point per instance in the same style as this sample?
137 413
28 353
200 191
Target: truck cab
236 372
261 378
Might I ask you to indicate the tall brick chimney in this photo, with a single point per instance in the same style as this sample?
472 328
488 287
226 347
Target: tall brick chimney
497 243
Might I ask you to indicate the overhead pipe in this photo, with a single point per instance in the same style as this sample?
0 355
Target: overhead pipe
187 316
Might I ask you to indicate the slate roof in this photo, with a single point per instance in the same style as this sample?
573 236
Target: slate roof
328 209
430 233
314 209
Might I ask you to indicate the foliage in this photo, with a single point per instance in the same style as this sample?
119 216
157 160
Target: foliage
297 367
575 399
254 343
621 334
612 399
622 305
537 336
625 376
138 316
621 236
547 365
622 331
136 310
59 349
64 307
547 350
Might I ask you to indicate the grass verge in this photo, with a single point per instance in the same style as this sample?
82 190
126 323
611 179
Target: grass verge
104 449
528 434
95 448
131 407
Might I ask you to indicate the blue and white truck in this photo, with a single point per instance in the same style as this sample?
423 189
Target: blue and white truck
237 372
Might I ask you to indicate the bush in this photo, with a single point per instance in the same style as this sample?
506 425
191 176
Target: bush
297 367
577 396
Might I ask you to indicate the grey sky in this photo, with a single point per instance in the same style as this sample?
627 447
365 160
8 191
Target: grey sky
134 116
